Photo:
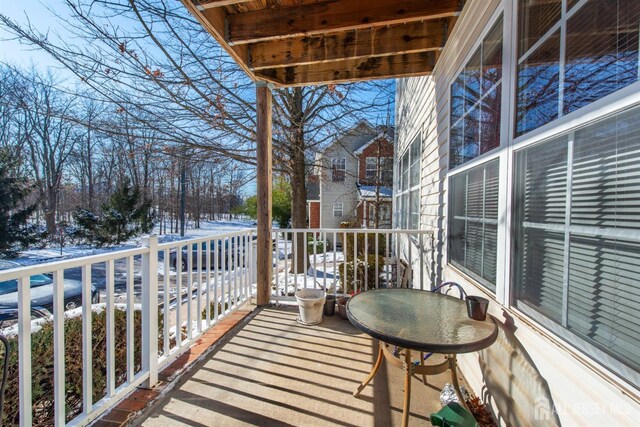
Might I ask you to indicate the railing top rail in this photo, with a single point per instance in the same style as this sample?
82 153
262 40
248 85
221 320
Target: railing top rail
48 267
190 241
352 230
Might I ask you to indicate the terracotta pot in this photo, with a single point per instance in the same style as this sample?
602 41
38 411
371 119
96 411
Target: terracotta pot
341 303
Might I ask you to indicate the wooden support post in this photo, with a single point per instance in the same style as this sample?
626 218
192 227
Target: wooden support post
264 184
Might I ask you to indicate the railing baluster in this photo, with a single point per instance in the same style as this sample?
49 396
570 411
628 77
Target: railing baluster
110 324
387 249
236 269
199 291
344 264
216 266
335 264
24 351
150 310
377 270
294 260
286 250
207 284
58 349
189 291
229 250
87 353
130 320
324 261
306 258
179 296
355 262
366 260
315 261
166 303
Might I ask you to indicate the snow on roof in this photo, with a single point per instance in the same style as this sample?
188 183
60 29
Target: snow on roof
369 191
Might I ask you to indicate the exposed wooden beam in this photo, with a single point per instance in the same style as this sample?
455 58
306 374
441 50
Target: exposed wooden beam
332 16
264 184
411 64
369 42
210 4
213 20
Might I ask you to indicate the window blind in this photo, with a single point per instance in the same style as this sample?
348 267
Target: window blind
577 246
473 223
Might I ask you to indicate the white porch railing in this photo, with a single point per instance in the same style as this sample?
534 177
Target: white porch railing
217 277
191 284
380 254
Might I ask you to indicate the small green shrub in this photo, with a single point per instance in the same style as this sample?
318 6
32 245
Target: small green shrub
42 365
374 265
366 243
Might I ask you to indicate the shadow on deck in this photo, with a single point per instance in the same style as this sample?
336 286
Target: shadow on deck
277 372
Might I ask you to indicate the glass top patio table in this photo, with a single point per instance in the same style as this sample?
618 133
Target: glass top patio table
420 320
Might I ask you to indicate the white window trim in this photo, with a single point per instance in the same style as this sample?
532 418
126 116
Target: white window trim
335 205
399 193
336 160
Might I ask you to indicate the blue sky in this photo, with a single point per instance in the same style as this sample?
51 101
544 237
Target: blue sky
12 51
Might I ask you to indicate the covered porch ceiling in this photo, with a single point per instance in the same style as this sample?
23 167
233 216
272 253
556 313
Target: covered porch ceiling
308 42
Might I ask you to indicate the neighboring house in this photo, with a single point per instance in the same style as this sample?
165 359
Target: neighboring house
521 152
353 180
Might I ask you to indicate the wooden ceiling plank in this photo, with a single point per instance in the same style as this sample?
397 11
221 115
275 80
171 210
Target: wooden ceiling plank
210 4
332 16
406 65
370 42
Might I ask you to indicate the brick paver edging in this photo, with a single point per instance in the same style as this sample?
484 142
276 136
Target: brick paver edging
141 398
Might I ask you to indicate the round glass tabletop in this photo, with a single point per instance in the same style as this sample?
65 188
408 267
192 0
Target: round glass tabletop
420 320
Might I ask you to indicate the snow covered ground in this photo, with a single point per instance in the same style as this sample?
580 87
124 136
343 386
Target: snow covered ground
207 228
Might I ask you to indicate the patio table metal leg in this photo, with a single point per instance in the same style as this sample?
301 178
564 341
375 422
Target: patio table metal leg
453 366
408 373
373 372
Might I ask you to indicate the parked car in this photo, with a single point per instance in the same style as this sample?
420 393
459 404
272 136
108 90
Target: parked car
41 294
225 247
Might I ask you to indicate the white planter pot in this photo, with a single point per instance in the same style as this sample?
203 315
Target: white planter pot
310 304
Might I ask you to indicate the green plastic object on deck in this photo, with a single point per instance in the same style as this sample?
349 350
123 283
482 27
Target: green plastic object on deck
453 415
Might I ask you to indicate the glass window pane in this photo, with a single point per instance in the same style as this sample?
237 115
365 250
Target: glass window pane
456 145
405 171
457 98
472 75
471 148
535 18
492 57
538 86
602 51
490 119
472 238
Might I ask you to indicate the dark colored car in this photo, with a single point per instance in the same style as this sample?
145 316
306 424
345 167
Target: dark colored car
227 248
41 294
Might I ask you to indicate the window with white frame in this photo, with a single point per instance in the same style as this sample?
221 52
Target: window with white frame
473 222
338 169
379 170
572 55
337 209
577 238
476 93
408 194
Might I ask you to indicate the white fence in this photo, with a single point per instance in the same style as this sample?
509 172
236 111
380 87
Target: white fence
215 271
382 256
